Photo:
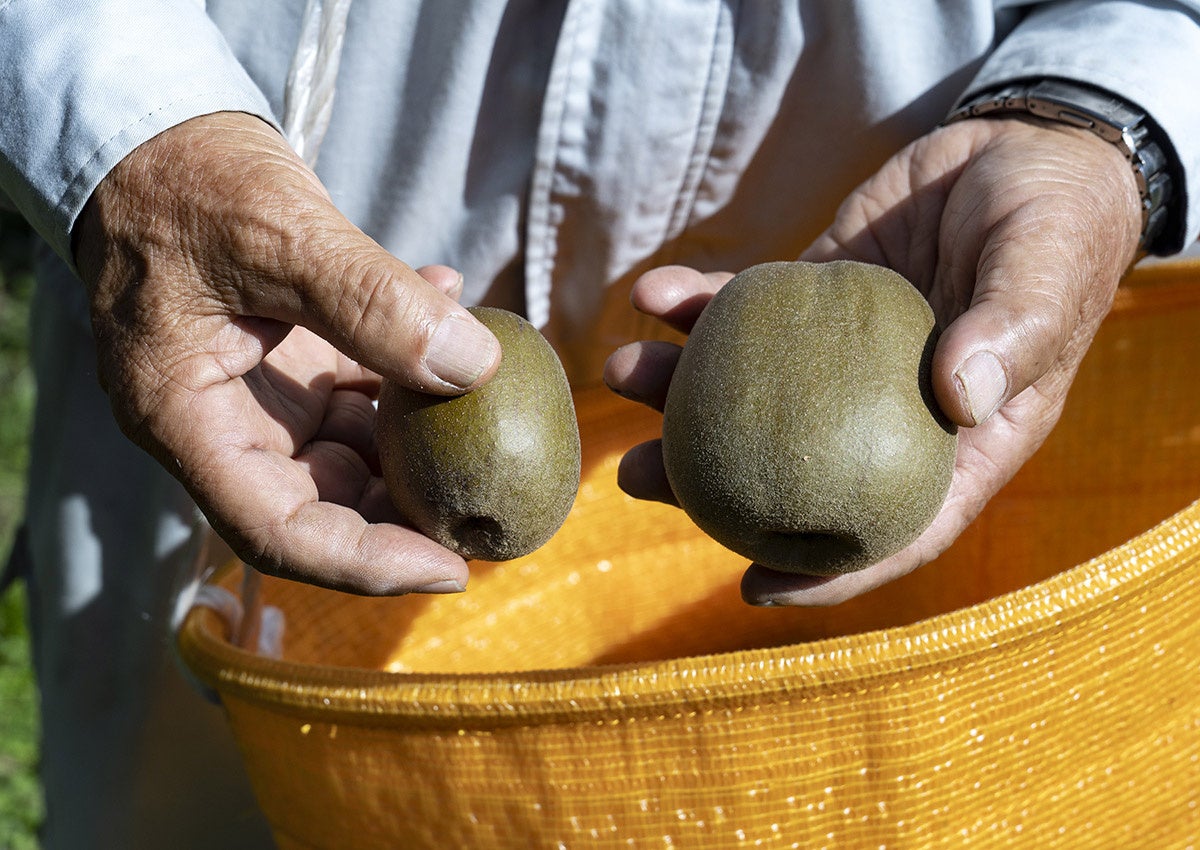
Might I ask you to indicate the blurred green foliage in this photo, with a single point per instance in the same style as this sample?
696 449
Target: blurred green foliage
21 804
16 381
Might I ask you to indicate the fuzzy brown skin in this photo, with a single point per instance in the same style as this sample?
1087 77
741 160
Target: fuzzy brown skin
241 320
1016 232
491 474
800 428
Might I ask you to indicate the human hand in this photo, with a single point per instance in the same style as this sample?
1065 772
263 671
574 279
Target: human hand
242 325
1017 232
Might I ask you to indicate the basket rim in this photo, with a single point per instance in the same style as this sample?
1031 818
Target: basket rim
700 682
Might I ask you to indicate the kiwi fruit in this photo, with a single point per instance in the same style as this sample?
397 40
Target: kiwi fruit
493 473
800 428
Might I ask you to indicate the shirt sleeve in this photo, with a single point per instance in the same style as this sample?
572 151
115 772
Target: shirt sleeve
1147 53
84 82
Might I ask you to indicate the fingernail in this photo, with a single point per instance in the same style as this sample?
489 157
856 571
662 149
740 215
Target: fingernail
448 585
983 384
460 350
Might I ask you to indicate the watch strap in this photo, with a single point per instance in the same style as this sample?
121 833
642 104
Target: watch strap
1116 121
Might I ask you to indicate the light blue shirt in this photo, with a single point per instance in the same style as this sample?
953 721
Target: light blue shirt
563 147
549 150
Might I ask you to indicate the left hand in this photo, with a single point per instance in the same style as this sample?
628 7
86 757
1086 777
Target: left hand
1017 232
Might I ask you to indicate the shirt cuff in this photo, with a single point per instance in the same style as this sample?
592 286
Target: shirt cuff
1146 54
83 83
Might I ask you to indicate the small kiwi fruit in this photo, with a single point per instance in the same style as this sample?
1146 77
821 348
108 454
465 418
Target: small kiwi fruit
800 428
493 473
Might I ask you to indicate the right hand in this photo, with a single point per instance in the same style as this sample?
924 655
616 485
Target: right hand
242 324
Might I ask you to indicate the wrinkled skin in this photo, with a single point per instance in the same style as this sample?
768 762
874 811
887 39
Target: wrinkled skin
242 324
1017 232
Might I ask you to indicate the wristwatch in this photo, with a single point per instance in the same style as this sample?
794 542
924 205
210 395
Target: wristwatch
1130 129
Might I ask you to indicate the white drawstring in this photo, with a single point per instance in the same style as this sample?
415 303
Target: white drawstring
308 97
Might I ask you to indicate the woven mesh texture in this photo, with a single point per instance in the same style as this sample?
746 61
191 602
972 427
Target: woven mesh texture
1037 685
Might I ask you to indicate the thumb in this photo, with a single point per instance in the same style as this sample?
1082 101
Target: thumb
330 277
1038 230
230 219
404 325
1029 322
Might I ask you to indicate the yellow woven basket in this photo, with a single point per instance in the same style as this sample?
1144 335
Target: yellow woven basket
1037 685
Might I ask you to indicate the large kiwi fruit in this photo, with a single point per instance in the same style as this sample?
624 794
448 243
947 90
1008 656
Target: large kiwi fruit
493 473
800 428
